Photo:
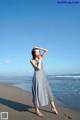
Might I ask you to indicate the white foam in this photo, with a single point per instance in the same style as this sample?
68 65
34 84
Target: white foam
69 76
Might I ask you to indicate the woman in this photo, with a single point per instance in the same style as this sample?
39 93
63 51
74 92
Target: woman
41 91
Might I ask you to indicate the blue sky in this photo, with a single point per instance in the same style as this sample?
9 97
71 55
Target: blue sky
27 23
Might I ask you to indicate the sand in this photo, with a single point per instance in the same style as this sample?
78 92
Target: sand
18 104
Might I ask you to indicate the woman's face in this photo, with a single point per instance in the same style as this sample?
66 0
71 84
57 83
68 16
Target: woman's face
37 52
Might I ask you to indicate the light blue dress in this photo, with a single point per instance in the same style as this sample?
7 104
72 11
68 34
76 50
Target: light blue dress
41 91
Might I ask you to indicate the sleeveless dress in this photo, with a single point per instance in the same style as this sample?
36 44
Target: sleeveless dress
41 91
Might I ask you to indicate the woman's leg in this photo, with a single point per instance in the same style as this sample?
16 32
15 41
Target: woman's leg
53 108
37 111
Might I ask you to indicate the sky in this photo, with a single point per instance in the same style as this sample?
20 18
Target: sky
46 23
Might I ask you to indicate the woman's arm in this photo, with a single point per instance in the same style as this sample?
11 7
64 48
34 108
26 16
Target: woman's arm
35 65
45 51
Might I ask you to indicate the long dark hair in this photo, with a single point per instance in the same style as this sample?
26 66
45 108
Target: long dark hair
33 52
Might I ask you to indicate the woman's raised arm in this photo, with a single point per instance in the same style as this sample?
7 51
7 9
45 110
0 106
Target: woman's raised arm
45 51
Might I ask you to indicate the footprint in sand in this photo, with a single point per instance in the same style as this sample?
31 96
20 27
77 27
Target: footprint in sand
68 116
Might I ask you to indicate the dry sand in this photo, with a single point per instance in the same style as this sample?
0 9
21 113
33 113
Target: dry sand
18 104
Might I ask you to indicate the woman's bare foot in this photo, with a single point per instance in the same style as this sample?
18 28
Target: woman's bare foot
53 108
54 111
39 113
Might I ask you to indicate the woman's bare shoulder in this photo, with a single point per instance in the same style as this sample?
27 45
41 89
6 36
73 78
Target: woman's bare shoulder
32 61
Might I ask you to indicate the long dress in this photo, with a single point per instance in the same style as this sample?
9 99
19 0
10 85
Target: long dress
41 91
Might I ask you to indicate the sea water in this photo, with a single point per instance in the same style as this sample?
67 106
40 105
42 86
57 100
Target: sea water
65 88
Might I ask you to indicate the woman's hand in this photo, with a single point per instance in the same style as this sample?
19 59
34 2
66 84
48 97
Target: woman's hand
39 59
37 47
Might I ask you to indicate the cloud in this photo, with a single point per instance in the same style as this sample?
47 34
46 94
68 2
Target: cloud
7 61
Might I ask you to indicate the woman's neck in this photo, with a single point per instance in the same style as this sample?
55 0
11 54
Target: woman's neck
36 58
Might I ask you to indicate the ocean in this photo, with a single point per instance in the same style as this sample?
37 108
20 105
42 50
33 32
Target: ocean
65 88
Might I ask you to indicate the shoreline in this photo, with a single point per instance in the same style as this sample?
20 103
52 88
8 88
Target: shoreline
18 103
60 104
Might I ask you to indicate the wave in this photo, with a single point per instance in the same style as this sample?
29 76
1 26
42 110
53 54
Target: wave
69 76
64 76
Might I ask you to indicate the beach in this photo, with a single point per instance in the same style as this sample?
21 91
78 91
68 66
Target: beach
18 104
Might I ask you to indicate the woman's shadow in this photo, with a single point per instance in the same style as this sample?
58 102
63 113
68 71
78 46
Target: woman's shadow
16 105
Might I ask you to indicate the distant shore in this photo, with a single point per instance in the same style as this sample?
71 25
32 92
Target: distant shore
18 104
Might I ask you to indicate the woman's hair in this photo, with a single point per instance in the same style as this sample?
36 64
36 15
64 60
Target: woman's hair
33 52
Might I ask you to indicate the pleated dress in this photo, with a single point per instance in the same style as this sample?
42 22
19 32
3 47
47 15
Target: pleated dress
41 90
